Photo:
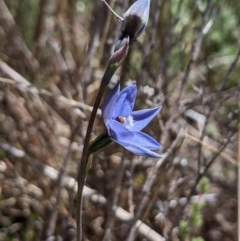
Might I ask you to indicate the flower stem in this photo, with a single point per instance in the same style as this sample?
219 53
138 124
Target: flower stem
112 66
84 159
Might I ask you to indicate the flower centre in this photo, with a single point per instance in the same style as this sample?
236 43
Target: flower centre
121 119
126 121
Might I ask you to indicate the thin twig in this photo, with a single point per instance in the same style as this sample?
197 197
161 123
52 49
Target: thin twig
199 177
7 81
13 74
105 32
9 25
214 104
59 184
39 28
212 148
112 201
119 18
152 177
24 84
196 47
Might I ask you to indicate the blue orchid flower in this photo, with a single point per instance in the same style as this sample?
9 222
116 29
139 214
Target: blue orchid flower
124 125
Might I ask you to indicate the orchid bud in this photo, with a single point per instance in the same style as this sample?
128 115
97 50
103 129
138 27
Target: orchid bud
134 21
115 60
121 52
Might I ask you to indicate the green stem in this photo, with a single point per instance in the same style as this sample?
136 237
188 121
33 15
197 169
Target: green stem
112 66
81 170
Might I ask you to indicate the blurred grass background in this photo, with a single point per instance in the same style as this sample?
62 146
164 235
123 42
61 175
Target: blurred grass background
52 57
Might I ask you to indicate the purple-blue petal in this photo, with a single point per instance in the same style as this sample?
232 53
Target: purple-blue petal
145 140
109 103
138 150
120 133
125 102
141 118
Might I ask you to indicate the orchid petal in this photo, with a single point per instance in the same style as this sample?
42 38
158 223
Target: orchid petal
121 133
108 105
141 118
138 150
125 102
